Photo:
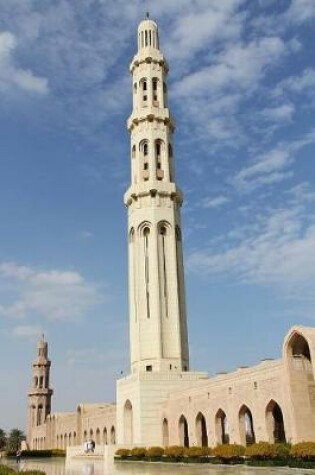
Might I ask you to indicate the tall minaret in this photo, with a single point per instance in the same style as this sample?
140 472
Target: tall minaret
158 327
39 397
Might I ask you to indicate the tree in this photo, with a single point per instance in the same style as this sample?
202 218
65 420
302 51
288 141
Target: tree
15 439
3 439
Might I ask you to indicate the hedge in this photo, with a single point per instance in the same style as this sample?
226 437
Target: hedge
229 452
38 453
304 451
5 470
262 454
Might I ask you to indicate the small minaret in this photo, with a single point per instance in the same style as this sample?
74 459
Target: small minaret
39 397
158 327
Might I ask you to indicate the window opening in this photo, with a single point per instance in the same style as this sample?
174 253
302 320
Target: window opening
164 269
146 234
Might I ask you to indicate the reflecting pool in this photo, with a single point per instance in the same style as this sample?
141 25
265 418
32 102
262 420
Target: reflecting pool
98 467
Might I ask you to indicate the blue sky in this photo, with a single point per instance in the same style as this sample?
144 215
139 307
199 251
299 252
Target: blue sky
241 84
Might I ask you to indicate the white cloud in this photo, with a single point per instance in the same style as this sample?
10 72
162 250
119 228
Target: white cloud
26 331
282 113
302 83
215 202
279 250
202 24
13 76
271 167
303 193
300 11
240 66
52 294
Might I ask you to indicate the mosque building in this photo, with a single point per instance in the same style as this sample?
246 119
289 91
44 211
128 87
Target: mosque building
161 402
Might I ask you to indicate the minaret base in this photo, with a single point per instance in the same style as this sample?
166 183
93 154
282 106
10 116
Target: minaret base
140 398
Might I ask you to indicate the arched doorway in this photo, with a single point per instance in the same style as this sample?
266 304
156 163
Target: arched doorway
221 428
128 423
201 430
113 436
105 441
98 436
166 437
247 433
275 423
183 431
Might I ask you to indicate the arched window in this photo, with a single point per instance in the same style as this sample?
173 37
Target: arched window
183 431
35 382
70 439
133 153
201 430
146 234
159 145
85 435
144 88
166 436
155 83
247 432
91 433
41 381
128 423
163 267
299 354
40 415
275 423
221 428
144 153
74 438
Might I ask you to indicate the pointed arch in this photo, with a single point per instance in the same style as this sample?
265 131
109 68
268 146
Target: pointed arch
98 436
113 436
221 427
275 423
183 431
165 432
201 430
105 441
246 425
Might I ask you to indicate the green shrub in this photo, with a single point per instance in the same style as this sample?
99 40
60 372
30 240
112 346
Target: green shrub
303 450
174 451
195 452
155 452
123 453
58 453
283 449
4 470
229 452
262 451
138 452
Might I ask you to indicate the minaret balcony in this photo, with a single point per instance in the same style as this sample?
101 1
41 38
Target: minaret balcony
147 56
153 188
150 114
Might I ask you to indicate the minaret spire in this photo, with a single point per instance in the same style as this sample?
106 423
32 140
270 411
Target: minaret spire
158 328
39 397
